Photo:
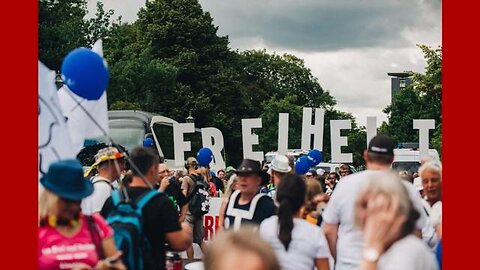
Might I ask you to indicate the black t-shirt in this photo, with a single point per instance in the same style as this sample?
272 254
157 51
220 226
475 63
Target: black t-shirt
265 209
218 184
159 217
174 190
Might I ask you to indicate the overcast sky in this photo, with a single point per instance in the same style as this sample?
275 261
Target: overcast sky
349 45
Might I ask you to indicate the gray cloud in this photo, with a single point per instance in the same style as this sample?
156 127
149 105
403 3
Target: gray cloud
321 25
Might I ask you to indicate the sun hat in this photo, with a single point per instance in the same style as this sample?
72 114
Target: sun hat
250 166
65 178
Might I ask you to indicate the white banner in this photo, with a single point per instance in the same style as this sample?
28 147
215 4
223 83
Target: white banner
53 139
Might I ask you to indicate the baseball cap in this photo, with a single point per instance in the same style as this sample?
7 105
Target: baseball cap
381 144
280 163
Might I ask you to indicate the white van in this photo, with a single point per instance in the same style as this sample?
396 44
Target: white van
408 159
295 153
333 167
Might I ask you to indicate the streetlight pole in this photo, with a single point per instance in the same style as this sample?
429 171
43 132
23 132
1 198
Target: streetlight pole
190 118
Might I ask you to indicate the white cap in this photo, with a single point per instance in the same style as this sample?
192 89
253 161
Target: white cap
320 171
417 183
280 164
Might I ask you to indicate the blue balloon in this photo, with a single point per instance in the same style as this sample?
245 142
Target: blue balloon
314 157
204 156
148 142
85 73
302 166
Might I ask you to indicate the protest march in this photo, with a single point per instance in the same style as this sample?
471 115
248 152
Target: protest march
161 147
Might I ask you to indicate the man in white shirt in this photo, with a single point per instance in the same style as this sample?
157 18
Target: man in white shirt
344 239
110 163
431 175
279 168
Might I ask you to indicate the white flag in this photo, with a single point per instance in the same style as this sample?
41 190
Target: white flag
53 138
85 118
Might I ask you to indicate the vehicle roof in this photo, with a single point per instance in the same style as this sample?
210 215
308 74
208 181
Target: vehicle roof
130 114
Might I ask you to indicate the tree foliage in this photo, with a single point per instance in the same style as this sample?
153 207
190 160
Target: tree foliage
420 100
62 27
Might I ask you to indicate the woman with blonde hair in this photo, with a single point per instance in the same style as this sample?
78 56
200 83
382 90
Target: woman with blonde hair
316 202
242 249
231 187
67 239
207 177
385 214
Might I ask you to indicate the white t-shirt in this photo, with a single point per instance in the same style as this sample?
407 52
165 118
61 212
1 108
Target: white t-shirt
428 232
340 210
102 191
408 253
308 243
435 212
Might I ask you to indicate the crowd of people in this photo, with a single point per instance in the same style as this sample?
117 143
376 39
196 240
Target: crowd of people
137 216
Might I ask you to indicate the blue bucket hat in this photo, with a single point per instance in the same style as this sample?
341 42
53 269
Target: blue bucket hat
65 179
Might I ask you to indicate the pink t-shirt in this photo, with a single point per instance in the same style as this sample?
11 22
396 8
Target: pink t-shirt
56 251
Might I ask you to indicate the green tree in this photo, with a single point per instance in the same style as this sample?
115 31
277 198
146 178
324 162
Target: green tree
61 28
101 25
269 76
172 62
420 100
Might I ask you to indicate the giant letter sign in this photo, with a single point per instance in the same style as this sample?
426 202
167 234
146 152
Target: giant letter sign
282 133
180 145
213 138
250 139
316 129
371 128
339 141
423 127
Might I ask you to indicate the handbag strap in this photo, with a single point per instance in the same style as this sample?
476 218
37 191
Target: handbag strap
95 235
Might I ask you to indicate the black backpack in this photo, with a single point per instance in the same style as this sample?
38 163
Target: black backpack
127 222
199 198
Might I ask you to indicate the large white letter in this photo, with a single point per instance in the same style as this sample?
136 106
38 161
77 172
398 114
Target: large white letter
371 128
339 141
316 129
213 139
423 127
181 146
282 133
250 139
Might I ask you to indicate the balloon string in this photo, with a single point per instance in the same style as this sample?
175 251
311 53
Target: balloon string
127 157
78 104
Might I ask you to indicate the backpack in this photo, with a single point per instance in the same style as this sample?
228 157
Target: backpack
199 198
126 221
